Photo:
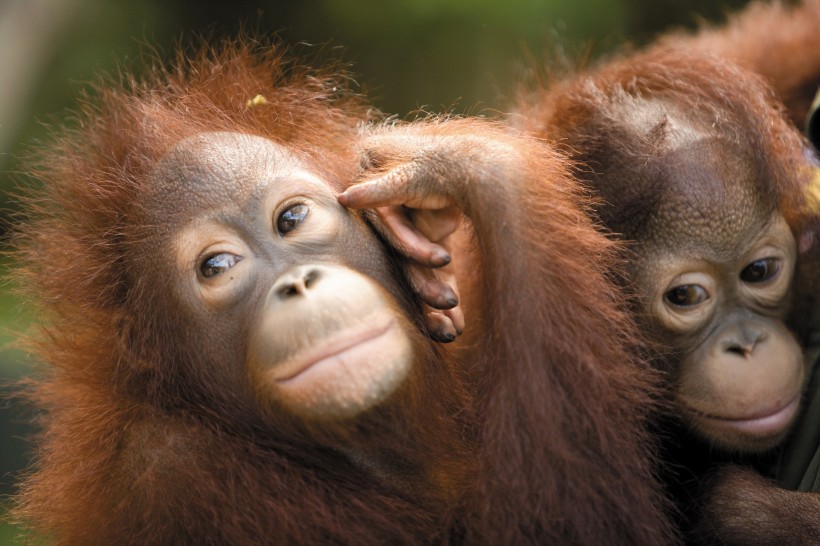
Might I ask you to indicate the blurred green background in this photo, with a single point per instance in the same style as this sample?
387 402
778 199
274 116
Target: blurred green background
461 55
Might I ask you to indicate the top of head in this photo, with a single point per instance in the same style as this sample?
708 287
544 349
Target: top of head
634 124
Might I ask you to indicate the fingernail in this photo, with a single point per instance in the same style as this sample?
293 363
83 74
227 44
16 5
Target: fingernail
445 337
446 301
449 303
440 258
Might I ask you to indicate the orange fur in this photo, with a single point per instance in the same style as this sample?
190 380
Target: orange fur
532 427
776 39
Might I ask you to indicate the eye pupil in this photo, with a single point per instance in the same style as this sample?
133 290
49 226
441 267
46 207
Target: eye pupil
760 270
291 218
686 295
218 263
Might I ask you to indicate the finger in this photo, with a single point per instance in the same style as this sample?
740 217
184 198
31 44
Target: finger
380 192
401 186
432 291
436 224
455 314
376 150
440 327
409 241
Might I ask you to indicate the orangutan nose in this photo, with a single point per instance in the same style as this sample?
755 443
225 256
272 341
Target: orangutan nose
296 282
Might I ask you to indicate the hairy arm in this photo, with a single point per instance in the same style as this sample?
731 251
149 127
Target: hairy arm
744 508
550 332
419 179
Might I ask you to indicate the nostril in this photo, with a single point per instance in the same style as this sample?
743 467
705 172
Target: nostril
311 277
288 290
738 350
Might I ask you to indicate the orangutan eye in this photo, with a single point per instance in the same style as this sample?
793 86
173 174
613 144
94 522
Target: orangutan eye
291 218
686 295
761 270
218 263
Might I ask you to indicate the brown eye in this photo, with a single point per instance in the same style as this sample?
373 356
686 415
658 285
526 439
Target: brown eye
291 218
218 263
760 270
686 295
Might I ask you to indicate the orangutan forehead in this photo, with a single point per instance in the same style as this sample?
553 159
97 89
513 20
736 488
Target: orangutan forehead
702 226
220 168
707 183
711 191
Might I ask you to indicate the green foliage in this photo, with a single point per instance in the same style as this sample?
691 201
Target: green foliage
13 535
13 318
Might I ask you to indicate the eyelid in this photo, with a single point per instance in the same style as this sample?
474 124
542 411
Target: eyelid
215 249
769 250
285 204
690 278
